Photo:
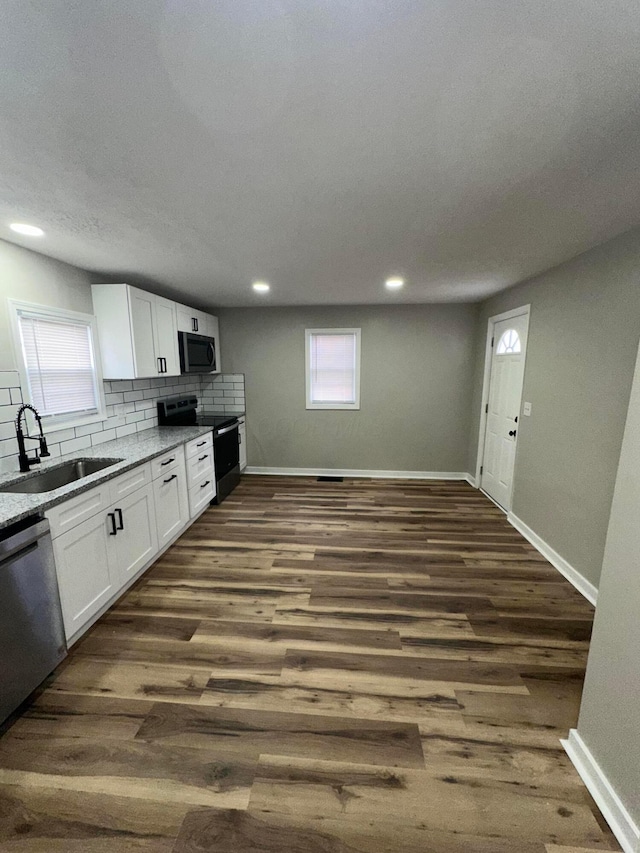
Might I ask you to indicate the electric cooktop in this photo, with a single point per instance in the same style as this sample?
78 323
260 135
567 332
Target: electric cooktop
182 411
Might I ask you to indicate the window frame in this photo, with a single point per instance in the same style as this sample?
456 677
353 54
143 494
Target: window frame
56 423
310 404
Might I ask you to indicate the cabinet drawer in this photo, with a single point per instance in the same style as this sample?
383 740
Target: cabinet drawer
200 468
167 462
130 482
72 512
201 494
200 445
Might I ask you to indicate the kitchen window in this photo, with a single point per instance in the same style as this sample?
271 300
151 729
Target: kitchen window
58 364
332 368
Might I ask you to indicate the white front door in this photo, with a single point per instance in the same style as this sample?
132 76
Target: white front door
503 415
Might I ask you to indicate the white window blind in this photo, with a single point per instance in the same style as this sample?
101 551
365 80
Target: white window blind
60 364
333 362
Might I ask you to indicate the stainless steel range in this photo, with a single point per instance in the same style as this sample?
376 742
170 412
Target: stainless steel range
183 411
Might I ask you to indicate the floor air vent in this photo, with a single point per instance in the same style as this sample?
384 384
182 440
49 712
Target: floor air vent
330 479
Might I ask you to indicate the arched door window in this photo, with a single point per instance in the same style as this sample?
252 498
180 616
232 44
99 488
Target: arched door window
509 343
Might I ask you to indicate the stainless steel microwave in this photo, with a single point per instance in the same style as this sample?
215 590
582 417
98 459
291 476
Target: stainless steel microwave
197 353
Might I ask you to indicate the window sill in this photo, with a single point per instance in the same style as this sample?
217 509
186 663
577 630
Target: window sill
334 406
52 427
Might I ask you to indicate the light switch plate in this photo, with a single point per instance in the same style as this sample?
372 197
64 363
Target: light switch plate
526 409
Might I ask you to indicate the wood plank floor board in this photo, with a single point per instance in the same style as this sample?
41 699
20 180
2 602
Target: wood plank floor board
499 650
483 804
60 715
251 634
393 674
272 694
41 819
136 769
429 623
371 666
209 657
268 832
250 733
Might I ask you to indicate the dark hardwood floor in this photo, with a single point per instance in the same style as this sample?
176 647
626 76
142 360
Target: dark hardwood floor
357 667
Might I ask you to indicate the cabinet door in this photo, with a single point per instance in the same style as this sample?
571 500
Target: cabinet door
136 542
84 564
171 505
242 448
143 323
166 335
185 318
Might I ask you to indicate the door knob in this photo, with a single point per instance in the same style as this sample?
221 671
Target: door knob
512 432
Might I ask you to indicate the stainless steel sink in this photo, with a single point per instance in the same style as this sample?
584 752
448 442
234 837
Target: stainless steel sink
62 475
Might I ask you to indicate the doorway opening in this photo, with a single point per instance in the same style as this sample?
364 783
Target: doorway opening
505 355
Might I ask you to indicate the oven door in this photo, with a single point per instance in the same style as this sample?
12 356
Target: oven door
197 353
226 450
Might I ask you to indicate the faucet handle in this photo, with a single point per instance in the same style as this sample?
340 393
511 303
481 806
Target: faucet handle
44 450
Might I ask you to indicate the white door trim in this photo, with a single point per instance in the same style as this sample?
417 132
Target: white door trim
491 322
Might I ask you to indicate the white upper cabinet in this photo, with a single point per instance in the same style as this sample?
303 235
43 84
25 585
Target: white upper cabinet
190 320
165 335
138 332
200 323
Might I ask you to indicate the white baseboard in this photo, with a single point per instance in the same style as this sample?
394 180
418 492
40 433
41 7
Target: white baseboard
471 480
609 803
353 472
583 586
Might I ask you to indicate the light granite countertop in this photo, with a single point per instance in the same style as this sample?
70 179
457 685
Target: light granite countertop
132 450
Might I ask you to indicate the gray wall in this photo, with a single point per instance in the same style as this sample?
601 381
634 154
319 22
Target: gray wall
583 338
609 722
416 375
35 278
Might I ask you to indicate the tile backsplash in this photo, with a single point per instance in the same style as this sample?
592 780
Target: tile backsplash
224 392
131 407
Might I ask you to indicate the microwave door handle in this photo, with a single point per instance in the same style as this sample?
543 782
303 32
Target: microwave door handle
211 355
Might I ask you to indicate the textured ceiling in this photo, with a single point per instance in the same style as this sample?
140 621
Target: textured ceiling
319 144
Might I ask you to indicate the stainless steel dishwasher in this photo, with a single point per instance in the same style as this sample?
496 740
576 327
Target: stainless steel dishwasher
32 640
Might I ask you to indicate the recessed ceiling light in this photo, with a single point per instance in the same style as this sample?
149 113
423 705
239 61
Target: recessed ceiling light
260 286
394 283
28 230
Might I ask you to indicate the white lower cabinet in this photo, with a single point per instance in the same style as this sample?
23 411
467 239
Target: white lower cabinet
95 559
87 573
170 499
136 539
104 538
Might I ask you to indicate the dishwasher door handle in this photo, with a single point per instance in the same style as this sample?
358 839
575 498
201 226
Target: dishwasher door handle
16 555
19 541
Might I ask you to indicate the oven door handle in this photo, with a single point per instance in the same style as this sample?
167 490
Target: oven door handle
219 432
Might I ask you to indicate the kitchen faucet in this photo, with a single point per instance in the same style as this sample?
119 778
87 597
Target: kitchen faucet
23 458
